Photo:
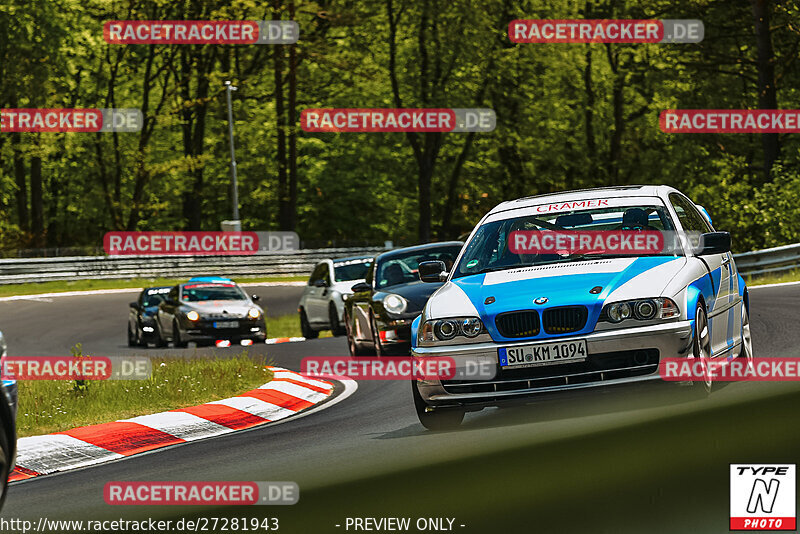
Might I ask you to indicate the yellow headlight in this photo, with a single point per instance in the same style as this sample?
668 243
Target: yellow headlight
254 313
193 315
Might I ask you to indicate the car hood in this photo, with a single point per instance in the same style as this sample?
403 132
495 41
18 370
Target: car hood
224 307
563 284
416 293
344 287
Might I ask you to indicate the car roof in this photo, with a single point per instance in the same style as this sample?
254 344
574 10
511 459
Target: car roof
418 248
209 280
351 258
157 287
587 194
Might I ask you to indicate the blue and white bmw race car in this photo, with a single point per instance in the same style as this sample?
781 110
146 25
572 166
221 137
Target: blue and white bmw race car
561 318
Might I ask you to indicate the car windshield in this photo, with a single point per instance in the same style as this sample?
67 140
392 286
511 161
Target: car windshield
201 292
491 248
153 297
351 270
403 268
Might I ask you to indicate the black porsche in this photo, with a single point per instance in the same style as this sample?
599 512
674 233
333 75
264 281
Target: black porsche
378 315
141 317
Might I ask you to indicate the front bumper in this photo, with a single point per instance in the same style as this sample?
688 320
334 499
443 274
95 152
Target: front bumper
614 357
204 330
395 331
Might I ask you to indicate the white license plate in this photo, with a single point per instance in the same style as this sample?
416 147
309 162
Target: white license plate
226 324
542 354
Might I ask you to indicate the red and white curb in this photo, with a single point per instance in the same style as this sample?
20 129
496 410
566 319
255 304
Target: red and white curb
275 340
287 394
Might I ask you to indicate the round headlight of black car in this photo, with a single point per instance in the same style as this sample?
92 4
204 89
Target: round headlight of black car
394 303
646 309
445 329
471 326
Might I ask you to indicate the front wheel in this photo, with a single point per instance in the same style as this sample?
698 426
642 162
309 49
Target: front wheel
131 338
355 348
438 419
701 349
305 327
333 319
161 342
176 337
747 341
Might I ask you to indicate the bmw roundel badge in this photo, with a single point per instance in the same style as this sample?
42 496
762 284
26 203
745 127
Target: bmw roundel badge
540 300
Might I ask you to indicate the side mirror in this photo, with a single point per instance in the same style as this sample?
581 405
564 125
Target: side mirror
320 283
134 305
255 297
432 271
360 287
715 243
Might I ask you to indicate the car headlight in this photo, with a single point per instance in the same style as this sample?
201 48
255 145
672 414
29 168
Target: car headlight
448 329
640 309
394 303
254 313
193 315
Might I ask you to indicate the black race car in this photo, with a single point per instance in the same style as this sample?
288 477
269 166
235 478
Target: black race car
209 310
378 315
141 319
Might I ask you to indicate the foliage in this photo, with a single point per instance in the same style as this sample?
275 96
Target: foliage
556 107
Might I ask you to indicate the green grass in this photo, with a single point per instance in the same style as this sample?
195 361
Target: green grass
288 326
55 405
788 276
87 285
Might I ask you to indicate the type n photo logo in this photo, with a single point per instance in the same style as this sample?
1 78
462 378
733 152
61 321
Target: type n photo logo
763 497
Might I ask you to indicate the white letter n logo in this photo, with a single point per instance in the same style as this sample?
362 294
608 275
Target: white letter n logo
763 495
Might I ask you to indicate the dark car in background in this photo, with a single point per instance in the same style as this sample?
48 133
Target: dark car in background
142 316
8 424
207 310
378 315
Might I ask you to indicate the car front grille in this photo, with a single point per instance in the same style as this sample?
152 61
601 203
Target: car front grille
564 319
223 316
518 324
597 368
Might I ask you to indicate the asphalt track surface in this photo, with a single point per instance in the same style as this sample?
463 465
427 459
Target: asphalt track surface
375 433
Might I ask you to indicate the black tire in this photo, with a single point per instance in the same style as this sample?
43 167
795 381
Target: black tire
131 338
701 350
161 341
5 461
355 348
439 419
176 336
305 327
378 347
333 319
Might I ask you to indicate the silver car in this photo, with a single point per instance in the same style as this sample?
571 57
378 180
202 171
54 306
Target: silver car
321 306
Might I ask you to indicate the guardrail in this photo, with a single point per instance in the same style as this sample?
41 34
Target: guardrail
299 262
769 260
